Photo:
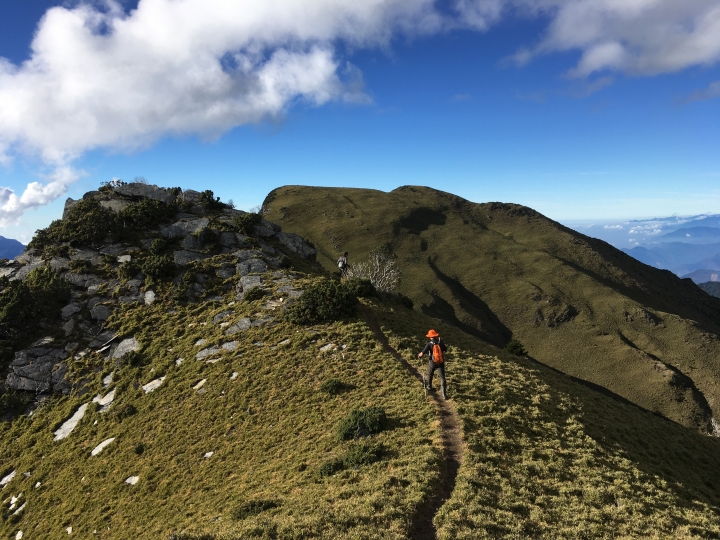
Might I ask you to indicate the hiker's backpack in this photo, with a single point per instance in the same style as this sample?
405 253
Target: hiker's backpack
437 354
341 263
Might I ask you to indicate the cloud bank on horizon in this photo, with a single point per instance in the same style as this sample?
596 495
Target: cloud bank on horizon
99 77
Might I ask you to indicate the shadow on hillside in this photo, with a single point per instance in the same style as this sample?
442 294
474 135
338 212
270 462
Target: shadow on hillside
419 220
491 328
686 460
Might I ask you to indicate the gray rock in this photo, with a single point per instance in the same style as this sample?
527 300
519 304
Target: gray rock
94 282
230 346
124 259
186 257
246 254
228 239
70 310
8 271
101 339
266 229
115 249
249 282
78 280
126 346
207 352
23 273
59 263
263 321
29 256
94 301
240 326
116 205
100 313
193 243
226 271
69 203
87 255
36 369
190 196
68 327
251 266
145 190
131 299
70 424
223 315
43 341
182 229
297 244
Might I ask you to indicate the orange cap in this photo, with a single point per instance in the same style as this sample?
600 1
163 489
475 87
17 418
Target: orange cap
432 334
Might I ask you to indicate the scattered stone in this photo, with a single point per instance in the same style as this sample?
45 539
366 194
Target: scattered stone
291 291
43 341
100 313
230 346
182 229
70 310
208 455
107 380
220 316
179 361
240 326
100 447
132 480
116 205
200 342
23 273
234 375
258 343
207 352
149 297
284 342
184 257
126 346
124 259
153 385
263 321
251 266
103 339
199 385
94 301
19 509
226 271
69 425
6 480
327 347
131 299
19 535
69 530
37 485
106 401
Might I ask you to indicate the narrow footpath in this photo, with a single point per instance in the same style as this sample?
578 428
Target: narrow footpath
422 527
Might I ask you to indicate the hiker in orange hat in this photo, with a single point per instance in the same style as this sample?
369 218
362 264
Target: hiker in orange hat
436 351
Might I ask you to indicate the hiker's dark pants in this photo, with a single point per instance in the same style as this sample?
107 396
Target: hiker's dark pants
432 366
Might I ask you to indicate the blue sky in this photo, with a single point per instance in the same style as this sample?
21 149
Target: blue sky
431 97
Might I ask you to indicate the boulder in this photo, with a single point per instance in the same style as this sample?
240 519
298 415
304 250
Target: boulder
69 203
70 310
185 228
126 346
297 244
250 282
116 205
266 229
149 191
184 257
240 326
191 196
23 273
228 239
226 271
37 370
100 312
59 263
193 243
251 266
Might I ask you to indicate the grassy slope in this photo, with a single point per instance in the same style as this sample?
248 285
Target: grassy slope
548 457
495 269
270 430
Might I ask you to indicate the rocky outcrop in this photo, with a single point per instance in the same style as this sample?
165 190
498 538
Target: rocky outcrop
139 190
39 370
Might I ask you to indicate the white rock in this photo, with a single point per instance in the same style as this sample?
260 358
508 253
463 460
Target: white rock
106 401
213 361
149 297
124 259
132 480
208 455
153 385
199 385
179 361
100 447
43 341
14 501
327 347
67 428
69 530
38 484
107 381
234 375
230 346
126 346
200 342
6 480
19 535
284 342
16 512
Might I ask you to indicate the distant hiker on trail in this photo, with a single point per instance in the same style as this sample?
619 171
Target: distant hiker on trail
435 349
343 264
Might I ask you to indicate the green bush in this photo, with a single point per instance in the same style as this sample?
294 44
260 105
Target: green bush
332 386
252 508
87 223
79 266
256 293
145 214
373 418
128 270
246 222
362 453
158 246
324 301
123 411
159 267
14 402
331 467
210 202
362 288
515 347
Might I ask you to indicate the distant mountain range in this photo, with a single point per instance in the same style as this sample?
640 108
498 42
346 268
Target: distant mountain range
9 248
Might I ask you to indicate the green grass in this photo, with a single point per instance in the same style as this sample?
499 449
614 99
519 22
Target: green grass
498 271
271 429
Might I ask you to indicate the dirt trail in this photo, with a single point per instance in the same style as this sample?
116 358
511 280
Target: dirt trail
422 527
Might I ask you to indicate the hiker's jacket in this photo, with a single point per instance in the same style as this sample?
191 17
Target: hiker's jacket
429 348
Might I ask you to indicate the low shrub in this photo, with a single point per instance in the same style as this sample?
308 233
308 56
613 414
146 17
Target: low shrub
362 453
79 266
252 508
128 270
158 246
373 418
123 411
362 288
87 223
515 347
332 386
245 223
324 301
143 215
159 267
256 293
331 467
13 402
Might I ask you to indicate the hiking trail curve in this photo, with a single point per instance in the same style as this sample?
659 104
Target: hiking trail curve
422 527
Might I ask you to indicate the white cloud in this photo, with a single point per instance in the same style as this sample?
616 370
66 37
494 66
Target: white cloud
711 92
98 77
612 226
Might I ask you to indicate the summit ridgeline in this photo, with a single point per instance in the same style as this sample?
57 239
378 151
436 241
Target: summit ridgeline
176 369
